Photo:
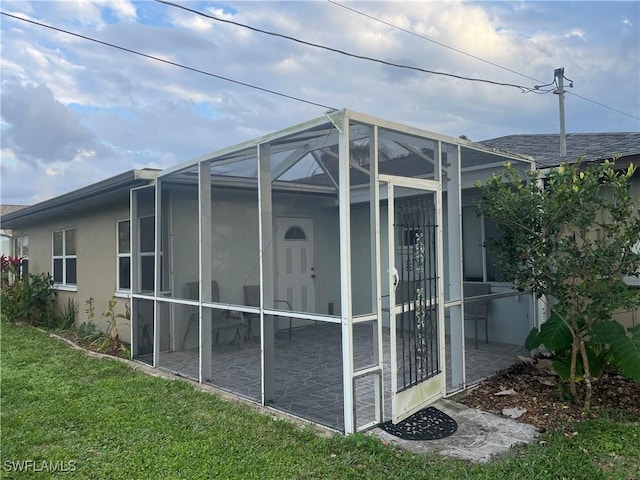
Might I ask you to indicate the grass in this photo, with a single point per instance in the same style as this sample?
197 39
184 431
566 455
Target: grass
118 423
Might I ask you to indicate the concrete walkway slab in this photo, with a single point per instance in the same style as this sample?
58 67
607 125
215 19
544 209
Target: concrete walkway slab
480 437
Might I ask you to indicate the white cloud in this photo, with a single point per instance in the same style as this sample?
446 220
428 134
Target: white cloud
189 21
92 12
86 12
39 128
576 32
96 111
11 69
7 157
191 95
288 65
124 9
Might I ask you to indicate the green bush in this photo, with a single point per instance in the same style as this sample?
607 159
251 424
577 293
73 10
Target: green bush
110 341
89 332
67 317
570 234
30 300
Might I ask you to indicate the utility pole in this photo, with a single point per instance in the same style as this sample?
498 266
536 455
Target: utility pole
558 75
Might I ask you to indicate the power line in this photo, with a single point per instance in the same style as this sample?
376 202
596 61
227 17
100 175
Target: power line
603 105
411 32
415 34
169 62
297 191
348 54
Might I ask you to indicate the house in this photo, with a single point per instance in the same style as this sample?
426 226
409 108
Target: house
321 270
590 147
82 240
11 246
334 270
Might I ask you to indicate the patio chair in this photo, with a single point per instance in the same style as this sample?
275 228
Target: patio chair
252 299
477 311
220 319
145 334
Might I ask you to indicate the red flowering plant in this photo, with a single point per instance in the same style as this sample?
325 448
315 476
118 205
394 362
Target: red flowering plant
9 262
9 267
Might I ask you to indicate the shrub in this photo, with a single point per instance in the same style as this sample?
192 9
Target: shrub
88 332
8 267
30 300
571 236
67 317
110 341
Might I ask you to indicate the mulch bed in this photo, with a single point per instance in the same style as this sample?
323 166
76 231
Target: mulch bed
541 395
115 349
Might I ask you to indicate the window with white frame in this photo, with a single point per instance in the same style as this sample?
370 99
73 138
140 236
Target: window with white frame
479 261
64 257
123 253
21 246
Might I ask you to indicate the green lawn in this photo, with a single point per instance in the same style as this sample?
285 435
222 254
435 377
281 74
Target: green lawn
59 405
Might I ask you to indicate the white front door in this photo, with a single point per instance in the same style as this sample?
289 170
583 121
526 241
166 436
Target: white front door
296 271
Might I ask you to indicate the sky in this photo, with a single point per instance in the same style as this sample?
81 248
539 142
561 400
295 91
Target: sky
74 112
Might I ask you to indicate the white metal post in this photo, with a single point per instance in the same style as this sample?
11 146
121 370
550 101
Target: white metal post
133 270
267 277
376 267
440 269
392 293
156 274
454 247
345 277
168 261
204 269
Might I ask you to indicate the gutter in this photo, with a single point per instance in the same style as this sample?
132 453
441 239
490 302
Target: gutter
112 184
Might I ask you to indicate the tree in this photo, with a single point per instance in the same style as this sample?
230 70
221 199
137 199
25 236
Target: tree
571 234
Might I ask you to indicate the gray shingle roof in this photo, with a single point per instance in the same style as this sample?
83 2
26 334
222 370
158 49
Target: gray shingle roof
545 148
4 209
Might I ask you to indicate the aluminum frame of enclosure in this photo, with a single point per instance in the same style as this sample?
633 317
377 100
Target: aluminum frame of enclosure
269 164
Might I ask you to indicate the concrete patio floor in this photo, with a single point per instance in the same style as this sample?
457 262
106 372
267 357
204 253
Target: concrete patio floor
308 371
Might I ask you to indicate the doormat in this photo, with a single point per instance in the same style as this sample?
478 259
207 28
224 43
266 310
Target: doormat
426 424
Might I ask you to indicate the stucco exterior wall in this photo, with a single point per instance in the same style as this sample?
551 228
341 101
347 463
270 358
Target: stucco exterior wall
235 242
234 236
628 318
96 258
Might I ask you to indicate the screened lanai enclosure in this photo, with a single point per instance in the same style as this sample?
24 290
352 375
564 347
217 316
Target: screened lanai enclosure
334 270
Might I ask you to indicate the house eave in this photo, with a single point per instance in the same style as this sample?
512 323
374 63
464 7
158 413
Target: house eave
97 194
